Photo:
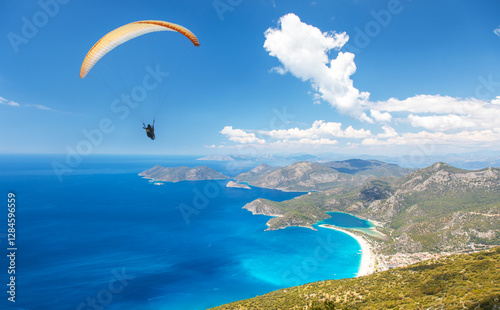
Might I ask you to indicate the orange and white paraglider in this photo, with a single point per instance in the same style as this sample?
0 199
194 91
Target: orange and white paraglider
125 33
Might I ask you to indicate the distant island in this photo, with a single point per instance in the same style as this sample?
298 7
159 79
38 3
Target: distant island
237 185
217 158
178 174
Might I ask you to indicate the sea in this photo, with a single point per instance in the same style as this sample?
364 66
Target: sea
96 235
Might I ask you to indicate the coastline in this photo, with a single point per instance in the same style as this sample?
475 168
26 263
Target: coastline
367 265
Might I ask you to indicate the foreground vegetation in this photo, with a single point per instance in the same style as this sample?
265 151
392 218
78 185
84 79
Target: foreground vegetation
466 281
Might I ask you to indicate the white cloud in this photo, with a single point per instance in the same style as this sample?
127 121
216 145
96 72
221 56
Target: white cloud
448 113
463 138
496 100
441 122
321 133
15 104
319 129
240 136
307 141
430 104
12 103
388 132
380 117
356 133
9 102
279 70
370 141
303 51
497 31
40 107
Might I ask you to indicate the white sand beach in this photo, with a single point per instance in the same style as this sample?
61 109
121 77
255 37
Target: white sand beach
367 265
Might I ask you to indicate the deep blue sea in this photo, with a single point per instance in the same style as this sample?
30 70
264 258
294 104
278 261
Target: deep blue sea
102 237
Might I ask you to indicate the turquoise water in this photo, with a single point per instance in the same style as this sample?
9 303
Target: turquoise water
345 220
105 237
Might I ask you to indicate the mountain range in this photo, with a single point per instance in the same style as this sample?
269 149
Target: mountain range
312 176
438 208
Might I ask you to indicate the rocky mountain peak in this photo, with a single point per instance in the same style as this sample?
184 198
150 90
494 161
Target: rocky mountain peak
260 168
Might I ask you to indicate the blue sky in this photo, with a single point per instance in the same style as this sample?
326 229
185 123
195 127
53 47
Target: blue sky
269 77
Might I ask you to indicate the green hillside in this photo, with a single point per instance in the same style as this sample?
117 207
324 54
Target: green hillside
438 208
368 167
466 281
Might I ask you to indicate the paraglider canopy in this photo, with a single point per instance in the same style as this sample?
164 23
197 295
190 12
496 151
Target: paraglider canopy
125 33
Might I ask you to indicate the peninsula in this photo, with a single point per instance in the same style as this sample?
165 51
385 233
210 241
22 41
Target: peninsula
177 174
237 185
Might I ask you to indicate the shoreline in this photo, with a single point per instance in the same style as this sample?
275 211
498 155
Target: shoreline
367 264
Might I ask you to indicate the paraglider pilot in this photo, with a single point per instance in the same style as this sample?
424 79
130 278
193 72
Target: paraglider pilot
150 131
